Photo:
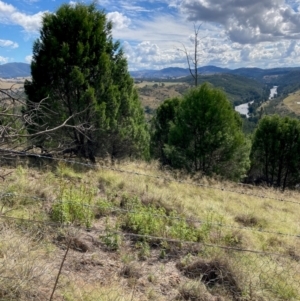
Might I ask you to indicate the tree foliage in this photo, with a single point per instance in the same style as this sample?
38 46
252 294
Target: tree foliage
161 123
204 135
83 73
275 151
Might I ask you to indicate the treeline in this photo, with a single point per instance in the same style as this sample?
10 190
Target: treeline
84 101
239 89
202 133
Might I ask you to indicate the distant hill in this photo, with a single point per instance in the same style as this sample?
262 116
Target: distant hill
239 89
271 76
163 73
176 72
262 75
287 83
11 70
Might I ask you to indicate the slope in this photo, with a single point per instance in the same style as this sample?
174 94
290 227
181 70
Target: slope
11 70
239 89
134 232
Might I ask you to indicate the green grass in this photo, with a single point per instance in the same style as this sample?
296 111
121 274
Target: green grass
173 222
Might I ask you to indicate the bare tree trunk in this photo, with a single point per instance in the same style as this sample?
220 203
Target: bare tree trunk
193 61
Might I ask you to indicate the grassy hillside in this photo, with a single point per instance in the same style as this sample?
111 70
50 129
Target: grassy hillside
283 106
239 89
153 93
293 102
134 232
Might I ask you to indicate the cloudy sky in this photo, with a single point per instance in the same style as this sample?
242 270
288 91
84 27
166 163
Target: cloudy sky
233 33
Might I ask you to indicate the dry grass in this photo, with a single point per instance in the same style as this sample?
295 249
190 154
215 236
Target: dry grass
293 102
6 84
118 267
151 83
24 262
152 94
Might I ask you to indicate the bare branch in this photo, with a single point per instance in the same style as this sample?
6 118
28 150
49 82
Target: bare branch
195 58
17 114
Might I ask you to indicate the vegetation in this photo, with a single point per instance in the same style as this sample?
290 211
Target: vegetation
131 230
238 89
81 74
275 150
145 231
161 125
201 133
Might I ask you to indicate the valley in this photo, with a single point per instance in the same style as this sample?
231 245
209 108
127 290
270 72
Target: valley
135 230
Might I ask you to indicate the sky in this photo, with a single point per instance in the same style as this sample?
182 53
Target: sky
156 34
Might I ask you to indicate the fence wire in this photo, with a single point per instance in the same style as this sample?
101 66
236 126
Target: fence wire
111 253
11 155
102 263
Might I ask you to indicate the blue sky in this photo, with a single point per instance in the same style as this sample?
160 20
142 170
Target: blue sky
233 33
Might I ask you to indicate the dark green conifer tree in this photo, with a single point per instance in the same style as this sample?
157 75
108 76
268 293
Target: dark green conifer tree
204 134
81 74
275 151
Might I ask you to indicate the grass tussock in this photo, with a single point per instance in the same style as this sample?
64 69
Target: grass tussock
24 263
196 291
140 222
214 273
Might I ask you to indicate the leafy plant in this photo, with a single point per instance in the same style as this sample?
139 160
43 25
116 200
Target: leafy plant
103 207
112 240
144 249
74 206
154 221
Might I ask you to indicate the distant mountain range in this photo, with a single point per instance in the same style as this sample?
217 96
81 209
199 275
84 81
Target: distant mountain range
254 73
176 72
11 70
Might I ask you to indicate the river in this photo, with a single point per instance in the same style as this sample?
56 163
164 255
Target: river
243 108
273 92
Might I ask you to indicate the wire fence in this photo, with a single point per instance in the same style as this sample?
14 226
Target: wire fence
12 155
84 251
72 263
114 209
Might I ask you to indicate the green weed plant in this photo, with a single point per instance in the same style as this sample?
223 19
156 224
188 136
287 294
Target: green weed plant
74 206
155 221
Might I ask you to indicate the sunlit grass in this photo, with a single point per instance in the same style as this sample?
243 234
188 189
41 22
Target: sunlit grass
293 102
213 212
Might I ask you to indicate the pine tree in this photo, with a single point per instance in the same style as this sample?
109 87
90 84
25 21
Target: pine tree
204 135
275 151
81 74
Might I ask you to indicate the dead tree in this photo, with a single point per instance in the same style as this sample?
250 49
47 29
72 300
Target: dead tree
17 115
193 60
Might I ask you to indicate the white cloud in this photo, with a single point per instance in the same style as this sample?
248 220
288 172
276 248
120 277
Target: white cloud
4 60
28 58
118 19
148 55
10 15
73 3
247 21
8 43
